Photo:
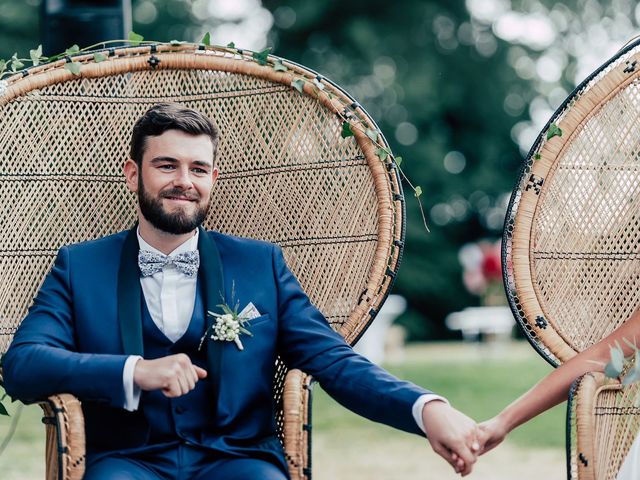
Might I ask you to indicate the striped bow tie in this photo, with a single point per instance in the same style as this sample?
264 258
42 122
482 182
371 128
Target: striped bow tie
151 262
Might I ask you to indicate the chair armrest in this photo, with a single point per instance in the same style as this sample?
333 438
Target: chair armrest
297 398
65 451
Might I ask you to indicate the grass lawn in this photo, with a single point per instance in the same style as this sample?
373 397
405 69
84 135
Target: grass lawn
477 381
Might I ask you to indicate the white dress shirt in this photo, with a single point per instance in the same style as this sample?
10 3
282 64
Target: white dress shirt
170 297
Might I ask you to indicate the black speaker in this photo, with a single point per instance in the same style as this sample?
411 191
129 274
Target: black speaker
82 22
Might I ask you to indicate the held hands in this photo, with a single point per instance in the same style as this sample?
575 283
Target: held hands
493 432
452 435
175 375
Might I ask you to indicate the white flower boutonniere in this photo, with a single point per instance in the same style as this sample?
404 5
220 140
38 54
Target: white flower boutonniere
226 327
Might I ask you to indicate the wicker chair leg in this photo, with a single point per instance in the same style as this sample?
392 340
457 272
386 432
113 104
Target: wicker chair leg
297 424
65 451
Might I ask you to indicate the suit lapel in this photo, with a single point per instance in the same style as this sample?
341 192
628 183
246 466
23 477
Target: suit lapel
210 273
129 296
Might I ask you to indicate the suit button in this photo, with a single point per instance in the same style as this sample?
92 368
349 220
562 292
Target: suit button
179 409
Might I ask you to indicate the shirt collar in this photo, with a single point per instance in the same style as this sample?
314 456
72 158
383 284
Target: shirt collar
188 246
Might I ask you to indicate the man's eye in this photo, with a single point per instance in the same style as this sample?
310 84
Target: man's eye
166 167
199 170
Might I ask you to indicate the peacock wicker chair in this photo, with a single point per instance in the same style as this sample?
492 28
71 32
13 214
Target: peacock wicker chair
302 165
571 242
603 420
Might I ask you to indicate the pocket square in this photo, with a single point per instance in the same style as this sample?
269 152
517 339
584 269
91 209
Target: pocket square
249 312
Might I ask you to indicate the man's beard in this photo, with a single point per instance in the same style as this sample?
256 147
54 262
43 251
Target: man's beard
176 223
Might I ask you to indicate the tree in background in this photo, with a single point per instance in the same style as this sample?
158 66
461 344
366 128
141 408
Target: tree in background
460 90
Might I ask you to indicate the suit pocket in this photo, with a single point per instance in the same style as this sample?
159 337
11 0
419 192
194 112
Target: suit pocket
257 321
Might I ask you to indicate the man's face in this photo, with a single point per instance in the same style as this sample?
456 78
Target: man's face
174 182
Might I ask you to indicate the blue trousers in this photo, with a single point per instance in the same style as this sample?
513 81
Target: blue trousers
180 462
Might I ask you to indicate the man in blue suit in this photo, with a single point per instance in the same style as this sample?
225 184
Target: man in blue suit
121 323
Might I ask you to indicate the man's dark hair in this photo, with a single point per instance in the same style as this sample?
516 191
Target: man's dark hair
170 116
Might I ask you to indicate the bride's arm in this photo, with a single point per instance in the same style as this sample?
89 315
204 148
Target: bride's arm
554 388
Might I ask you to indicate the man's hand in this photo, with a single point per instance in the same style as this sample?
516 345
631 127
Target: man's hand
175 375
492 433
452 435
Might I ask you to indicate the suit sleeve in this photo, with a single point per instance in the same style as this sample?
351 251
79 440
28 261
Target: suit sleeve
43 359
307 342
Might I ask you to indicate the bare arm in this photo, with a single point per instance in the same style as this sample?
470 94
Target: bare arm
554 388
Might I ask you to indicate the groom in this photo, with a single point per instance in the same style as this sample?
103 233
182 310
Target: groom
120 322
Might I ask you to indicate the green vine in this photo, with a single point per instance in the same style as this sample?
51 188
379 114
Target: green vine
264 58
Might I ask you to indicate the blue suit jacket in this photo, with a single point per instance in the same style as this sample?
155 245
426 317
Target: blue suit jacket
85 321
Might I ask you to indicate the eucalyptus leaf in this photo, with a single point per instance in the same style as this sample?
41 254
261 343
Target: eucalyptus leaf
346 130
99 57
206 39
135 39
261 57
398 161
298 84
382 154
279 67
617 357
554 131
633 376
73 67
418 191
372 134
3 410
632 345
610 371
36 55
72 49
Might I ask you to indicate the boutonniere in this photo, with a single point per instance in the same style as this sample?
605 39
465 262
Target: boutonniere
226 326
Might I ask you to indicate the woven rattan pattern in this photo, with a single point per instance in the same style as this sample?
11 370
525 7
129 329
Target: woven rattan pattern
287 176
617 423
572 232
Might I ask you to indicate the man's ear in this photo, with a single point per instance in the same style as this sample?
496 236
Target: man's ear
131 172
214 175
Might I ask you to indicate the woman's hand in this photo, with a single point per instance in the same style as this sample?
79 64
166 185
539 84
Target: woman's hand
492 433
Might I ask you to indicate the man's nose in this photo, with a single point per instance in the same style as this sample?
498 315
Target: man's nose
182 179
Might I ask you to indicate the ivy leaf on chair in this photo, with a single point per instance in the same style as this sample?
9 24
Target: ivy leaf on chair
73 67
206 40
372 134
36 56
99 57
298 84
16 64
261 57
72 50
346 130
382 154
279 67
554 131
135 39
